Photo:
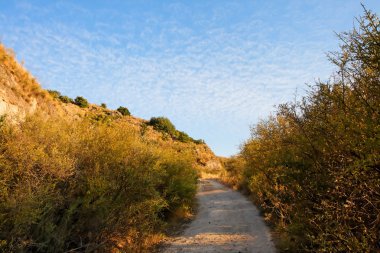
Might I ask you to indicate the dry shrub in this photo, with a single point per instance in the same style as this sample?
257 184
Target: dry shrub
80 184
314 167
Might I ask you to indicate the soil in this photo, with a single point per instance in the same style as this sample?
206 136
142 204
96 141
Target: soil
226 222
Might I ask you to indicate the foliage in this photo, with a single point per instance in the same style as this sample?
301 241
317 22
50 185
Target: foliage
124 111
314 167
103 105
76 184
183 137
66 99
199 141
81 102
164 125
55 94
28 86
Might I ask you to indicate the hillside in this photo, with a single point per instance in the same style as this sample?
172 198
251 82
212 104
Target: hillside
80 177
22 95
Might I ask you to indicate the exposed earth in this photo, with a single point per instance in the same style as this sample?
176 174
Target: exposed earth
226 222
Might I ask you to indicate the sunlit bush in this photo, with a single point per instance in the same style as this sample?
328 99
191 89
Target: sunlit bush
313 168
68 184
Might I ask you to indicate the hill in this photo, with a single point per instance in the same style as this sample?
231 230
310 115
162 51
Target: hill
76 176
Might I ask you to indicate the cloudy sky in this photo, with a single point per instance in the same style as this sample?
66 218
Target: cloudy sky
213 67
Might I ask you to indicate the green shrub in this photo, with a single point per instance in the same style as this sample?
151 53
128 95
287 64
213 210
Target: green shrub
81 102
55 94
183 137
164 125
124 111
103 105
66 99
199 141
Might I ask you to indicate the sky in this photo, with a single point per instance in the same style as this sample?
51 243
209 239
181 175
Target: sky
213 67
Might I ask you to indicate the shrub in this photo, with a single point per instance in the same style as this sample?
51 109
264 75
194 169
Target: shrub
81 102
69 185
55 94
103 105
124 111
199 141
314 166
183 137
164 125
66 99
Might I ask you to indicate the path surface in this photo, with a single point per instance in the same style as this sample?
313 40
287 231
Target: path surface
226 222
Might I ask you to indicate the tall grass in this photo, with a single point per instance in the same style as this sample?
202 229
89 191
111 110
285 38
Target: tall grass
83 186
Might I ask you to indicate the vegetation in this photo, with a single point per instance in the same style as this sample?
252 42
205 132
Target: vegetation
164 125
28 87
81 102
81 185
124 111
103 105
57 95
314 167
66 100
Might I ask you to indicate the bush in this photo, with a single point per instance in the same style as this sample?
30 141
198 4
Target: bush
55 94
69 185
103 105
66 99
314 166
81 102
124 111
199 141
164 125
183 137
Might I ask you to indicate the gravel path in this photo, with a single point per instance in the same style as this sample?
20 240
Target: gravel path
226 222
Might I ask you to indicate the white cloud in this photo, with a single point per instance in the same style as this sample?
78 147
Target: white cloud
223 76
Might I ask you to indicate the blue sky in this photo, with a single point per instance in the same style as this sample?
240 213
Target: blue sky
213 67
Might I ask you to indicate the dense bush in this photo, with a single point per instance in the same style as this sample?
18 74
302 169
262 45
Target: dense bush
124 111
163 124
183 137
66 99
81 102
314 167
80 185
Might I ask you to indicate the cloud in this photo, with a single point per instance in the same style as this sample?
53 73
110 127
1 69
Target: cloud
224 75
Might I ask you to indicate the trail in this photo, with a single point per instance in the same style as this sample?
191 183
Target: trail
226 222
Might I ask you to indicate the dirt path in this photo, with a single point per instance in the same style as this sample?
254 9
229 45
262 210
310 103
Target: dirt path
226 222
